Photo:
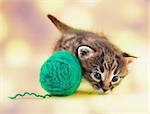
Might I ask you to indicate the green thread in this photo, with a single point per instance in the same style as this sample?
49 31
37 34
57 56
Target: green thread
60 75
30 93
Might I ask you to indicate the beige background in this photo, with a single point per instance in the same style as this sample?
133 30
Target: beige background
27 38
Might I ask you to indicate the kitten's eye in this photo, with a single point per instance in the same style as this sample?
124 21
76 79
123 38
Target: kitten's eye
96 76
115 79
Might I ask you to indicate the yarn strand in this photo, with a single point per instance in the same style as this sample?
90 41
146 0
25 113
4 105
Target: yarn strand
30 93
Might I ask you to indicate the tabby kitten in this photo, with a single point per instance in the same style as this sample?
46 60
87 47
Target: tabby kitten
103 64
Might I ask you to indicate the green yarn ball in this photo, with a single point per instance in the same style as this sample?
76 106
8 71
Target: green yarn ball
61 74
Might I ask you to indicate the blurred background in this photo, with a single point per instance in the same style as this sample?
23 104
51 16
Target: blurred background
27 37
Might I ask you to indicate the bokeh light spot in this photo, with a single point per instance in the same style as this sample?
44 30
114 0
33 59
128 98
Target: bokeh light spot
77 17
17 53
132 12
127 39
51 6
89 3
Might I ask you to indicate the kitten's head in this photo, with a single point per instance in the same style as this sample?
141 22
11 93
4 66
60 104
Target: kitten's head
104 68
103 64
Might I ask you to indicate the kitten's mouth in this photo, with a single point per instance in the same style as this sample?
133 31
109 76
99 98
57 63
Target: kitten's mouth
101 90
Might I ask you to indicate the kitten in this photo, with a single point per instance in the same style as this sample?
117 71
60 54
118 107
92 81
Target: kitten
103 64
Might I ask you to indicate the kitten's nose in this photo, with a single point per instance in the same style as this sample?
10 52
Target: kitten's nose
105 89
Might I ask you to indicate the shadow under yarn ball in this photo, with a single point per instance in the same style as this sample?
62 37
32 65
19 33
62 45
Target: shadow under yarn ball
61 74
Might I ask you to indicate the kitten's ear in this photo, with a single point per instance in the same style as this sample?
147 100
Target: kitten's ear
128 58
85 52
63 28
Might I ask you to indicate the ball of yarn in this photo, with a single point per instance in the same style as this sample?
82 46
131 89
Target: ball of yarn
61 74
